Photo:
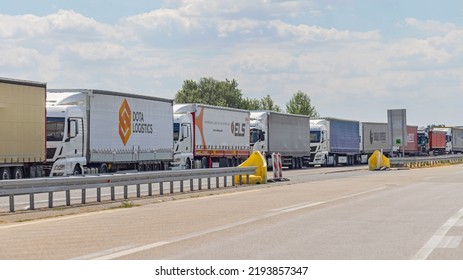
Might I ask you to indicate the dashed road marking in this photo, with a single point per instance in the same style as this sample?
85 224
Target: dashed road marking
115 253
440 240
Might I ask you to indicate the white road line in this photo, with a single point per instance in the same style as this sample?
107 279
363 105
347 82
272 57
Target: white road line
105 252
272 213
439 239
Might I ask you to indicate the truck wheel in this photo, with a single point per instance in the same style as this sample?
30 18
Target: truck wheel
18 173
325 164
5 173
188 164
77 170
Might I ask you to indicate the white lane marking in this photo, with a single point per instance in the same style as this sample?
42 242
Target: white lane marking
450 242
272 213
105 252
439 238
54 219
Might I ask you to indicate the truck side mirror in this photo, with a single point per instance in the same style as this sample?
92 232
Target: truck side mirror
185 132
72 129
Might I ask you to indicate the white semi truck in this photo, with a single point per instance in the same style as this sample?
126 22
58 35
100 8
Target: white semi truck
22 122
208 136
334 141
286 134
104 131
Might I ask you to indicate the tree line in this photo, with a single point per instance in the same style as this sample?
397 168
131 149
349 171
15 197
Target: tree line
227 94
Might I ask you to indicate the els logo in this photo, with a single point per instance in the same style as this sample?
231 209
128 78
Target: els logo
125 122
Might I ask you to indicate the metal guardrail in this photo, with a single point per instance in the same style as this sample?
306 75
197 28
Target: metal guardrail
415 162
31 187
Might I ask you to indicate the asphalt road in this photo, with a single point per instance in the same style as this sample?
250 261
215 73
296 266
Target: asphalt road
412 214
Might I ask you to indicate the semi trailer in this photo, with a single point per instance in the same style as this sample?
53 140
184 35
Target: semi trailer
22 122
208 136
375 136
286 134
91 131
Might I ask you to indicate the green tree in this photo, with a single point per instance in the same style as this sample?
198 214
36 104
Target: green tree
210 91
268 104
300 104
265 103
251 104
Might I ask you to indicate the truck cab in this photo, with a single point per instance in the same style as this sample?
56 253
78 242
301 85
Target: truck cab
183 142
318 143
65 134
257 133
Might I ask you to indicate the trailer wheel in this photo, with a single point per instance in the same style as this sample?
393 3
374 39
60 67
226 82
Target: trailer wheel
204 162
188 164
103 168
5 173
293 163
18 173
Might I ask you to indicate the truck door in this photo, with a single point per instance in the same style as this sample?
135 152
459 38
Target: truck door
75 133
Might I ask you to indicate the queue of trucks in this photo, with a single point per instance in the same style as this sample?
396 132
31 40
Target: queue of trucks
81 131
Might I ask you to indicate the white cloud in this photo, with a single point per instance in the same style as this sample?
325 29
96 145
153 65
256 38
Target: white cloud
267 53
305 33
431 26
165 20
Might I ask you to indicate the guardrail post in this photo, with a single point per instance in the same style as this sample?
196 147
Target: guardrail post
247 179
191 185
126 192
225 181
161 188
233 180
84 196
98 194
138 190
31 201
68 198
11 202
181 186
113 193
241 179
199 183
208 183
50 200
217 185
171 187
150 189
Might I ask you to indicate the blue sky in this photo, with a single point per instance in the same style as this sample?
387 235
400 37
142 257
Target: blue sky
355 58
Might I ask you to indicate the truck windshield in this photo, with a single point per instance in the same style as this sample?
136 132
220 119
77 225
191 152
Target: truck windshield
315 136
422 139
176 131
55 129
253 136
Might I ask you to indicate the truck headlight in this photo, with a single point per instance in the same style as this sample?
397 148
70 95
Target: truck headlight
59 167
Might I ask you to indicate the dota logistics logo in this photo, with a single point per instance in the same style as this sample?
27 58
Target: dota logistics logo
132 122
125 122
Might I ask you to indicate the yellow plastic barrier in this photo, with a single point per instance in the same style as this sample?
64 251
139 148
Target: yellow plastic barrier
258 160
375 164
